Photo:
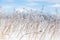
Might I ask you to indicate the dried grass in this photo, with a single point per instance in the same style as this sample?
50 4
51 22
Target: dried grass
29 26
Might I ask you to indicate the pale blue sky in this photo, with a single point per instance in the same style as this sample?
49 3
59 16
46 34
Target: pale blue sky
50 5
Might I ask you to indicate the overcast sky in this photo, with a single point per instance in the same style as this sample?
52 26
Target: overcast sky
50 5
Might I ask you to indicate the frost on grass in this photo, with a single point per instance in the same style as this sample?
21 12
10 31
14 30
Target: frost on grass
30 26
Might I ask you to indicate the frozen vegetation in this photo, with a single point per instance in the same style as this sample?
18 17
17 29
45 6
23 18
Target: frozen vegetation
31 25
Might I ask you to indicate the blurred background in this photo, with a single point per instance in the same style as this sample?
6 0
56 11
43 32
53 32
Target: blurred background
48 6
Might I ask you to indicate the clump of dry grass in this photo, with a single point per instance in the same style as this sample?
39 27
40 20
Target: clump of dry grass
36 26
